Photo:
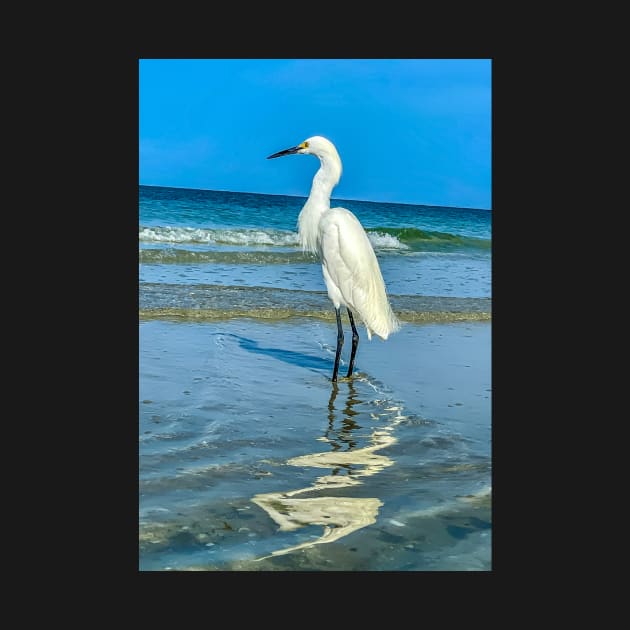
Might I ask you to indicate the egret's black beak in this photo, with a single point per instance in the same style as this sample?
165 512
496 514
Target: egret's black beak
285 152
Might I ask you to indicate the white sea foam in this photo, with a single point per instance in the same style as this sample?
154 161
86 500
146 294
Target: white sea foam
221 236
385 241
244 237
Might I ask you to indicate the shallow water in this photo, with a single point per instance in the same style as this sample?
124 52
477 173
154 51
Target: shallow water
250 458
422 274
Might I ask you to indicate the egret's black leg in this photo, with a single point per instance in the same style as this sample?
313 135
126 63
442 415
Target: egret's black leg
355 341
339 344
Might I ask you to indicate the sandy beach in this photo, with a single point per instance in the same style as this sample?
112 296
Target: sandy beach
250 458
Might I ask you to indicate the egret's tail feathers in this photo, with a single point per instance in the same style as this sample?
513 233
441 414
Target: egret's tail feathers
384 325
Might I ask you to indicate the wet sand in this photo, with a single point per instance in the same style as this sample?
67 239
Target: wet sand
250 458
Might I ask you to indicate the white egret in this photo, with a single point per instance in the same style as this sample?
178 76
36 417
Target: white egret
351 271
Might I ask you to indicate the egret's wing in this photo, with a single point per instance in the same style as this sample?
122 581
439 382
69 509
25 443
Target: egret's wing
351 263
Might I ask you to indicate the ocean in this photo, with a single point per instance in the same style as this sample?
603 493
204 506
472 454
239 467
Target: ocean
250 458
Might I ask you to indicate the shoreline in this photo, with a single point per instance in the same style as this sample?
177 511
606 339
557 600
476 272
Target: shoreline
279 314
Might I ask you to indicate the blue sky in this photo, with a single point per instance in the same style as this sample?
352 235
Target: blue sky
407 130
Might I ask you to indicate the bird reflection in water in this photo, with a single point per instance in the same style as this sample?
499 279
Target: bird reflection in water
339 515
341 438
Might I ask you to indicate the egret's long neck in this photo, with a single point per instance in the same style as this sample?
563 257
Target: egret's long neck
318 202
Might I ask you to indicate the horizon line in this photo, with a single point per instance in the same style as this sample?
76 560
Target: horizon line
247 192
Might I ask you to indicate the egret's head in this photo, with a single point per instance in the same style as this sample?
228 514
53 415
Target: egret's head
316 145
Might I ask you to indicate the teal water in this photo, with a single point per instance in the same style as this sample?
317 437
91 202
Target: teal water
197 237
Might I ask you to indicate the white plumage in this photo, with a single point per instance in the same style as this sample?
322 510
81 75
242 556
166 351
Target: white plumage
350 268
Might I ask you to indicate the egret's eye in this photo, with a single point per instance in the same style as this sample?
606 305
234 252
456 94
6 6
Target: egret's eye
304 145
